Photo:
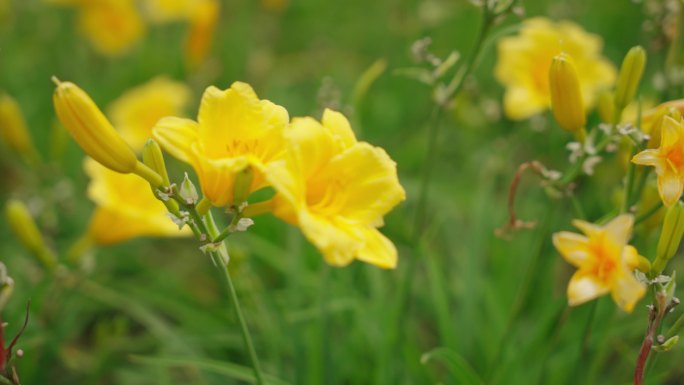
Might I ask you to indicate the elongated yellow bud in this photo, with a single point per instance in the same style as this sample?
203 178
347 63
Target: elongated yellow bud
566 96
606 106
25 229
670 237
630 75
91 129
13 129
154 159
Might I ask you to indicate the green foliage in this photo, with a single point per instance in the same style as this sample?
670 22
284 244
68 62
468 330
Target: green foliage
476 308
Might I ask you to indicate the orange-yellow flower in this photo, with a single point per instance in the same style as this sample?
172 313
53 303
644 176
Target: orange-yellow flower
524 60
337 190
234 130
126 207
668 160
112 26
138 110
604 261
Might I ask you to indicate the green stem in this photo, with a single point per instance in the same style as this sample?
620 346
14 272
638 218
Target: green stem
648 213
241 319
629 184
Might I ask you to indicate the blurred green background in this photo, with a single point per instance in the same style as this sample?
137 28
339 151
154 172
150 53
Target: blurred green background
153 311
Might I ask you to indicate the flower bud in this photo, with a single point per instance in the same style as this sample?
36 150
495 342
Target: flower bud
154 159
91 129
188 192
25 229
566 96
667 345
13 129
670 237
606 106
630 75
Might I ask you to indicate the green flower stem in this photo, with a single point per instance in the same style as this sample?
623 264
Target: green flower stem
205 229
145 172
222 263
223 266
203 206
649 212
255 209
629 183
676 327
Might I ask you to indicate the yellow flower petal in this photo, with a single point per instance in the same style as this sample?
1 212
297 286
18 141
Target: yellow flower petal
650 157
137 111
360 184
340 128
217 177
377 249
338 240
587 228
520 103
670 187
671 133
620 228
126 207
584 287
235 122
572 247
627 291
112 26
176 136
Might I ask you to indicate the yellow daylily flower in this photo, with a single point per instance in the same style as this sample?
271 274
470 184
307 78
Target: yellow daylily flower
337 190
668 160
126 207
138 110
234 130
604 261
524 60
112 26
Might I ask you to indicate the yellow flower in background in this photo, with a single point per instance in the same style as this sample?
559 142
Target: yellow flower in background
337 190
126 207
138 110
668 160
234 130
112 26
524 61
604 261
202 25
164 11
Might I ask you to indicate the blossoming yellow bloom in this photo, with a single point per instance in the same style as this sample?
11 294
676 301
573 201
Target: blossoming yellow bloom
112 26
337 190
524 60
604 261
126 207
234 130
668 160
138 110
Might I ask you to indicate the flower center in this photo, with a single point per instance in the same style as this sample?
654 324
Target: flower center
237 147
675 158
605 261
